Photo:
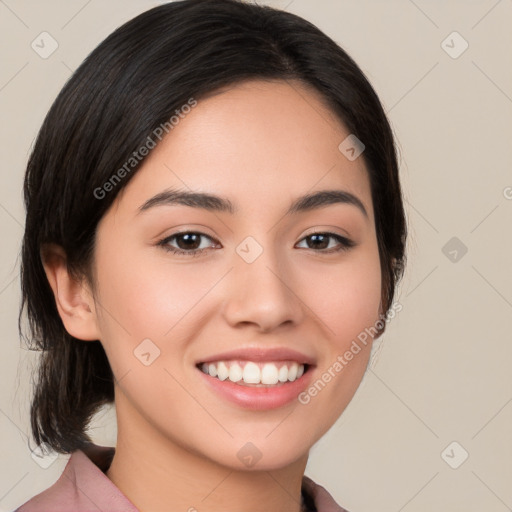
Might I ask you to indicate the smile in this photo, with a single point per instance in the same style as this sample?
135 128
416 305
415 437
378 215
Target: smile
258 386
251 373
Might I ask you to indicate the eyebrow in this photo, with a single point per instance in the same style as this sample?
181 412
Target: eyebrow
215 203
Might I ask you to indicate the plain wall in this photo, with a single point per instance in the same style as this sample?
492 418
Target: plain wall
443 371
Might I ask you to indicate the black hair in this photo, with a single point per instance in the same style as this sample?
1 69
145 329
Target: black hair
127 88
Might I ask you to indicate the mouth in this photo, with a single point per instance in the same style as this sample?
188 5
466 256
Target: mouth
254 374
257 385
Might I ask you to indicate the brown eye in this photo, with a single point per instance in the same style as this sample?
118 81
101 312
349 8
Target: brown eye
186 243
322 242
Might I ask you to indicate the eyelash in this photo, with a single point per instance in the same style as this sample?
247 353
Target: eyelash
345 243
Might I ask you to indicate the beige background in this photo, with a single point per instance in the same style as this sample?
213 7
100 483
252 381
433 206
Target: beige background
443 373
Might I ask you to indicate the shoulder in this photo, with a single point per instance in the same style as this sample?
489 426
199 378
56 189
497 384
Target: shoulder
82 487
59 496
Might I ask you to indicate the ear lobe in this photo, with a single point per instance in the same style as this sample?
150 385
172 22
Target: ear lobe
72 297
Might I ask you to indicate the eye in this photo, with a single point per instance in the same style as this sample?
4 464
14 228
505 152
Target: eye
321 242
188 243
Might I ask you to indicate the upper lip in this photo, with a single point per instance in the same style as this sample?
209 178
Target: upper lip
261 355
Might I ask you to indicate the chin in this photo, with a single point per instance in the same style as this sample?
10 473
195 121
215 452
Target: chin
261 453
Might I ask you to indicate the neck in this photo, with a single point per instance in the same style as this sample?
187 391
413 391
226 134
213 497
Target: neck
157 474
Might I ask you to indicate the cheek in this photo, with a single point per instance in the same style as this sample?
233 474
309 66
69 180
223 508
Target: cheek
144 297
346 297
347 301
341 302
148 296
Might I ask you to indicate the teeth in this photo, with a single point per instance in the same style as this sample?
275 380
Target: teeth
235 373
248 372
269 374
222 371
292 372
212 370
252 374
283 374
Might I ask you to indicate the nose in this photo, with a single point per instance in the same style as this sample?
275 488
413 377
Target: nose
262 294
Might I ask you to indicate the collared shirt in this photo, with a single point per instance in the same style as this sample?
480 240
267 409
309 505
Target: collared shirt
84 487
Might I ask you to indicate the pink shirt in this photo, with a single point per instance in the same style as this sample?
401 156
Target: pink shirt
84 487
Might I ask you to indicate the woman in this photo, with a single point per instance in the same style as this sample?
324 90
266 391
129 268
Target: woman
214 234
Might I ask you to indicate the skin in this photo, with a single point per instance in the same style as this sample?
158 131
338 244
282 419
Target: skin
261 145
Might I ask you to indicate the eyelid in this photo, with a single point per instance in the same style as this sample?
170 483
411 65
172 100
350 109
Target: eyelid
188 228
326 229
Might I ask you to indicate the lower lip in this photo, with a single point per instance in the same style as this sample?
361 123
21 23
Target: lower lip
259 398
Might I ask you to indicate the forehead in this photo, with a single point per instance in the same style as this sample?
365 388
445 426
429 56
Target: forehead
254 142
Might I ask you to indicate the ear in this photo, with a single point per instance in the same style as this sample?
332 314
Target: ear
73 298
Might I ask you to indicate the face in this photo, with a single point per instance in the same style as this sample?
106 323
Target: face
244 287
